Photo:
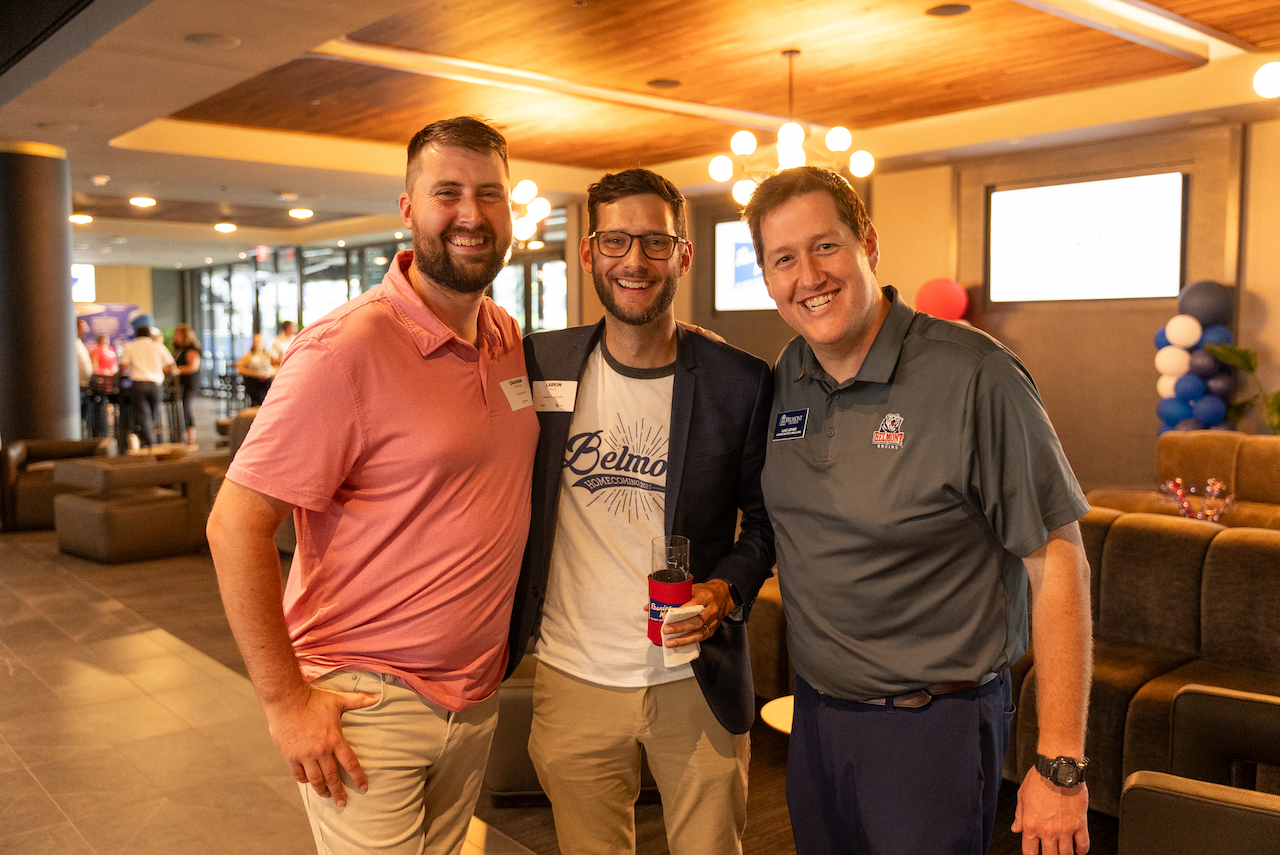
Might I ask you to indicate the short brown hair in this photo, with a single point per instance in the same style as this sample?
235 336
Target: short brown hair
469 132
789 183
636 182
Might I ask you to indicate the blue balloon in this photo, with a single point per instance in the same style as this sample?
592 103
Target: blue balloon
1189 388
1162 340
1220 385
1189 424
1203 365
1216 334
1173 410
1208 302
1209 410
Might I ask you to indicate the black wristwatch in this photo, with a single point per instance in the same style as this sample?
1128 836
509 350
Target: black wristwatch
1063 771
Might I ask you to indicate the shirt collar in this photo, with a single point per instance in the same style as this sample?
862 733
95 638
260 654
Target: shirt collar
882 359
429 332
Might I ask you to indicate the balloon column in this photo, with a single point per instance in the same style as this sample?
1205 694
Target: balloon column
1194 387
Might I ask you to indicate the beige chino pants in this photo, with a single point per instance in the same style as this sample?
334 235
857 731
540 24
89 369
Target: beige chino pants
585 744
425 767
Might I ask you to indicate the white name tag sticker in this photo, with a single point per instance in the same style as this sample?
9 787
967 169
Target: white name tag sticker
554 396
517 389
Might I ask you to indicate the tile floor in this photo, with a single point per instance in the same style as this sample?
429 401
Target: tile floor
117 737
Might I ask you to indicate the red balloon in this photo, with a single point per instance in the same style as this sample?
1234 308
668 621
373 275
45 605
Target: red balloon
943 298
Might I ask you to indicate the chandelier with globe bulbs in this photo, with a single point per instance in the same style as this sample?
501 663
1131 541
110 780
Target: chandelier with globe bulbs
791 150
528 209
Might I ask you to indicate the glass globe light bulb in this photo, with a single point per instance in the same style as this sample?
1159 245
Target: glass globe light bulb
839 139
861 163
743 190
720 168
523 193
1266 82
524 228
538 209
743 143
791 134
790 156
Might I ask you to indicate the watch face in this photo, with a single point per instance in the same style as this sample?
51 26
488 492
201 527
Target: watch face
1064 775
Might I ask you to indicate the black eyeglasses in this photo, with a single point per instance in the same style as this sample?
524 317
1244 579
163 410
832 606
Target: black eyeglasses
656 246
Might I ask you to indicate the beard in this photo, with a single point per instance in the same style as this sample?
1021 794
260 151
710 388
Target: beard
434 262
639 318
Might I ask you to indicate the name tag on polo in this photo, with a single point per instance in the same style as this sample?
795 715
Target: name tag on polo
790 425
517 389
554 396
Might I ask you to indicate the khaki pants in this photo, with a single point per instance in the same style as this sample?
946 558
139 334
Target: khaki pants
425 766
585 744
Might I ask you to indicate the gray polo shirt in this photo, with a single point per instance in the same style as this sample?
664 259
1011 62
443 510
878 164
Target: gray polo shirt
904 500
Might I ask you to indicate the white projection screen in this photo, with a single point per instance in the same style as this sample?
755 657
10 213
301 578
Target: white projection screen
1117 238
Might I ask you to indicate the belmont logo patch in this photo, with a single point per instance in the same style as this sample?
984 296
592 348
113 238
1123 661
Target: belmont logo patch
790 425
890 433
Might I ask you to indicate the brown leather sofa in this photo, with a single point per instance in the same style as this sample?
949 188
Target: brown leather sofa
1179 602
27 487
1205 806
131 508
1249 466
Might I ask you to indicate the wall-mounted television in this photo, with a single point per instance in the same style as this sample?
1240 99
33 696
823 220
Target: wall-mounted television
1106 239
739 280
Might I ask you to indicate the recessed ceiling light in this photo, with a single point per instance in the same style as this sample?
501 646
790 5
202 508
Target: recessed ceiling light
178 265
663 83
80 219
225 228
99 180
213 40
244 255
947 10
142 202
399 235
301 213
342 243
535 244
208 260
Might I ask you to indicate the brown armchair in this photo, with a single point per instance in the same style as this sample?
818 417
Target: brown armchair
131 508
27 487
1220 738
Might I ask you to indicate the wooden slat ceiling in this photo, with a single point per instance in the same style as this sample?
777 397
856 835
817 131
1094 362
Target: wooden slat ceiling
874 63
1253 21
168 210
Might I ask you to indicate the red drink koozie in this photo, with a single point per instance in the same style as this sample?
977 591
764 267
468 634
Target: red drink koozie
663 596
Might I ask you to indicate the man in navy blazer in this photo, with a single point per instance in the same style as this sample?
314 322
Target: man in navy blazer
647 430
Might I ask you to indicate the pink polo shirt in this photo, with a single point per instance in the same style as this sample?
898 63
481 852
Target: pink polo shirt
408 453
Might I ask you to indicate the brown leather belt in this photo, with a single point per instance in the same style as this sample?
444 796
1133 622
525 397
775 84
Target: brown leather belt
922 697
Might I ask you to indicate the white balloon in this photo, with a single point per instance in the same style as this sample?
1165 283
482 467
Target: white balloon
1183 330
1173 360
1164 386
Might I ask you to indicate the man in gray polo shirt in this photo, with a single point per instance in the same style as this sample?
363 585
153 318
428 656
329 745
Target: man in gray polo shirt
915 486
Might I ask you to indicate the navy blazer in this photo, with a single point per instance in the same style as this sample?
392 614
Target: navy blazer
720 404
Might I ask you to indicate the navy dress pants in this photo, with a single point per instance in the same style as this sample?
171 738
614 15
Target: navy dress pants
864 779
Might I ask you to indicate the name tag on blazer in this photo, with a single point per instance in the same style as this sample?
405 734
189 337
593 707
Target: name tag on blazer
554 396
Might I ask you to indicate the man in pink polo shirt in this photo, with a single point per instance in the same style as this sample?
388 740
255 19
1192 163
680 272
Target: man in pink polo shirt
400 434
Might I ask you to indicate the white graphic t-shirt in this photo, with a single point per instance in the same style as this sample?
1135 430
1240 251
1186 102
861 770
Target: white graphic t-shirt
612 493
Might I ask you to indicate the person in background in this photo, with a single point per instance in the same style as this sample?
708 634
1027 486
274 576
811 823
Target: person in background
288 332
256 369
146 362
186 358
652 430
84 365
400 433
103 382
916 488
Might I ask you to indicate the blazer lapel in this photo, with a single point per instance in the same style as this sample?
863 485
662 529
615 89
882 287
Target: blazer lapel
681 414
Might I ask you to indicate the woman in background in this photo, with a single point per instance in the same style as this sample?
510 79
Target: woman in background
256 369
186 356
